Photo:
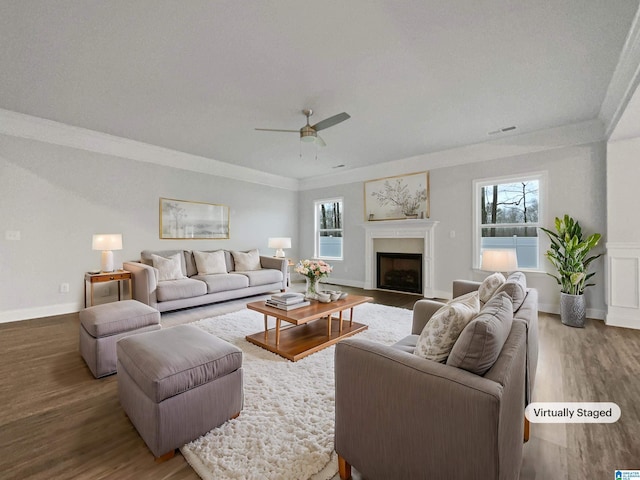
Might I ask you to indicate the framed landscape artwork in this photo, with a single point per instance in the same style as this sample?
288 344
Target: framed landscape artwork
397 198
180 219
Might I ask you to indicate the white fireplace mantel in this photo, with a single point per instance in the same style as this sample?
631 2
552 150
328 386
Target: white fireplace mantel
422 229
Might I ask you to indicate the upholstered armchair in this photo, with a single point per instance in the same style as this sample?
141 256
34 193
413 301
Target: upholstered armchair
402 416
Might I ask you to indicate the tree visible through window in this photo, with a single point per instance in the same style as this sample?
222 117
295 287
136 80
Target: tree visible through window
510 216
329 229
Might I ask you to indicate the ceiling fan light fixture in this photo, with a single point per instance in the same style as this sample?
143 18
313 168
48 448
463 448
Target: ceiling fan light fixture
307 134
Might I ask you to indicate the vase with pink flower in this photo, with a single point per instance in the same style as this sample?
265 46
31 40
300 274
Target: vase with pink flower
313 271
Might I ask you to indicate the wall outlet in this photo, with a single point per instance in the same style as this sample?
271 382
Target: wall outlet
64 288
12 235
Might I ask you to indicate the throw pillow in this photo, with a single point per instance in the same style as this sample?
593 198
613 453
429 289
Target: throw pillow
168 268
471 298
489 286
516 288
481 341
246 261
146 257
210 262
442 330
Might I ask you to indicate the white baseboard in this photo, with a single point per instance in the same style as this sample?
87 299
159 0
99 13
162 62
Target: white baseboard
555 309
442 294
614 320
342 281
38 312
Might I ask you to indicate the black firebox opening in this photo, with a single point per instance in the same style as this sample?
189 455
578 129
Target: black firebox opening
400 271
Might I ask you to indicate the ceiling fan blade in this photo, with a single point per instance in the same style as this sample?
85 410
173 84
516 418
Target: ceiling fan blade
276 130
331 121
320 142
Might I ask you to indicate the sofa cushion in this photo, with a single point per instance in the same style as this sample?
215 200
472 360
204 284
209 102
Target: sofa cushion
178 289
481 341
190 263
489 286
117 317
246 261
168 268
407 344
168 362
210 262
442 330
516 288
145 257
263 276
223 282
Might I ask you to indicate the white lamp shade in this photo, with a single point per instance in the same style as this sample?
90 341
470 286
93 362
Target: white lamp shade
107 241
280 242
504 260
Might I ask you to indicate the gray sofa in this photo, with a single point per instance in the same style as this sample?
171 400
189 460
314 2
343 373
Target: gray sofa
195 289
401 416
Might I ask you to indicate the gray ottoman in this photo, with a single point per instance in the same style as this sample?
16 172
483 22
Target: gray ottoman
103 325
177 384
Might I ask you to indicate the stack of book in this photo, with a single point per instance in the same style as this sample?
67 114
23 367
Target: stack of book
287 301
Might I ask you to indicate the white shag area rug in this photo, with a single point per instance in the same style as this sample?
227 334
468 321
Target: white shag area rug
285 430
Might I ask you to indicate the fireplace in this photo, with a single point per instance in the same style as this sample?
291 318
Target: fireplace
401 272
400 229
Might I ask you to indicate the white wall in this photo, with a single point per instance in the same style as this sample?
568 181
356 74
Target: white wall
58 197
623 179
576 185
623 233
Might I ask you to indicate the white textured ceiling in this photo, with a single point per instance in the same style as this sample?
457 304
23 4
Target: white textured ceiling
415 76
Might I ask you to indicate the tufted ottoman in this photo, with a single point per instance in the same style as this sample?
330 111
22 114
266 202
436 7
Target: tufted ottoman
103 325
177 384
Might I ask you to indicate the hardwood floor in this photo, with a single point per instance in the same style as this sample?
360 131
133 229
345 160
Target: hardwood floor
57 421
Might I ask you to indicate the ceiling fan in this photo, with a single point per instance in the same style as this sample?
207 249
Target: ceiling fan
309 133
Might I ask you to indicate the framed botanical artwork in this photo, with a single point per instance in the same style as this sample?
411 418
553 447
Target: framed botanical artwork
180 219
396 198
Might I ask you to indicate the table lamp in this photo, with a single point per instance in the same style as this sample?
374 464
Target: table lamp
279 243
107 242
499 260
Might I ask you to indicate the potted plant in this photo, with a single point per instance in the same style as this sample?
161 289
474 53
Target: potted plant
569 254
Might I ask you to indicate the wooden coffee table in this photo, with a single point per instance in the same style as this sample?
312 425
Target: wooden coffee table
306 336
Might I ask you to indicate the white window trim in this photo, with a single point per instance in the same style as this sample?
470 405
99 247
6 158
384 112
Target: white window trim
316 236
542 177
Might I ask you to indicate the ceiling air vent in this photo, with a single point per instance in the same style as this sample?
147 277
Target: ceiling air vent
502 130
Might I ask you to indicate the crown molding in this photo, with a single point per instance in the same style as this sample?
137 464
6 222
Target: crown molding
511 146
56 133
624 81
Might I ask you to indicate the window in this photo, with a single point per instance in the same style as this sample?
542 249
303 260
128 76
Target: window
508 212
329 232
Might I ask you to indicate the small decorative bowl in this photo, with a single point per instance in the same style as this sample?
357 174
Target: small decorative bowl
324 297
335 295
343 295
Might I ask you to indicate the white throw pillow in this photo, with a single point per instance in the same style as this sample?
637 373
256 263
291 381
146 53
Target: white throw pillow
246 261
210 262
490 285
168 268
440 333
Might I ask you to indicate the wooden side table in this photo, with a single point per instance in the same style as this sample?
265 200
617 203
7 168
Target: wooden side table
116 276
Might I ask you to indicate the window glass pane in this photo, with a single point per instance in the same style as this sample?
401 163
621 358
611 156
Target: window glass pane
329 229
330 246
330 215
523 239
510 203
